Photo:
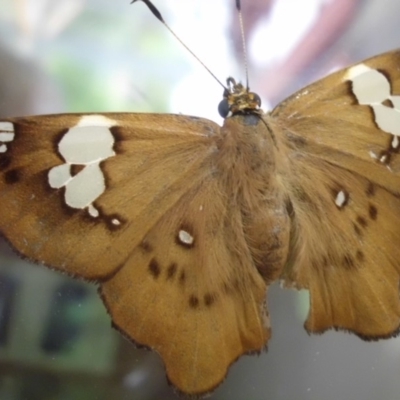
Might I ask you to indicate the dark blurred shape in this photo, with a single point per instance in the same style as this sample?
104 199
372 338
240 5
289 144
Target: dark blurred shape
8 288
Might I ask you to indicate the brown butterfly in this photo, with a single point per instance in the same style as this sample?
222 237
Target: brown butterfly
184 224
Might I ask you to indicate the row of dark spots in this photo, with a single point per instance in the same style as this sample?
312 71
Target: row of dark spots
362 223
349 262
372 210
172 271
208 300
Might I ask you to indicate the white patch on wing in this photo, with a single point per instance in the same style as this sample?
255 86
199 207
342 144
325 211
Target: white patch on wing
7 134
373 155
185 237
355 71
372 88
341 199
60 176
86 144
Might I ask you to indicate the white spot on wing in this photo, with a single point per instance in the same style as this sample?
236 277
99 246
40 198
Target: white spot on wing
94 212
355 71
185 237
60 176
96 120
373 155
372 88
387 118
116 222
86 144
6 126
395 142
341 199
6 135
383 159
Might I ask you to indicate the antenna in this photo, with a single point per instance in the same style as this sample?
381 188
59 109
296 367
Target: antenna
158 15
239 9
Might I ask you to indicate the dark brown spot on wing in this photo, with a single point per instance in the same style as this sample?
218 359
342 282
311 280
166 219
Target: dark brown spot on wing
388 103
12 176
154 268
348 261
193 301
371 190
209 299
362 221
5 162
360 256
171 271
182 278
145 246
373 212
120 138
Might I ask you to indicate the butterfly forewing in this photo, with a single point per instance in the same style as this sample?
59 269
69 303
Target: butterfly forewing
344 184
80 225
153 221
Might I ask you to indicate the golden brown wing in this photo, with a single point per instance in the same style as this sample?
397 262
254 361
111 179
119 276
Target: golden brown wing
342 178
73 188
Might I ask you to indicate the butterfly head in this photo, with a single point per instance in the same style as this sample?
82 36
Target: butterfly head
238 100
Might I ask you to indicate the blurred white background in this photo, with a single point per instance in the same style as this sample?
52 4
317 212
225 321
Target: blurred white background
101 55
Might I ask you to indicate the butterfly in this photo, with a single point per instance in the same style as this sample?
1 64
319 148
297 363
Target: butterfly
184 224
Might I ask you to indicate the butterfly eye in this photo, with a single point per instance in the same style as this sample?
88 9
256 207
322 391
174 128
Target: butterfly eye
223 108
257 99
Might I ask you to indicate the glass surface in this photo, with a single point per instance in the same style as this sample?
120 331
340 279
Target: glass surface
99 55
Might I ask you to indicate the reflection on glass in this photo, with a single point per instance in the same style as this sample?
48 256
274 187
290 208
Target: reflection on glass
8 287
64 324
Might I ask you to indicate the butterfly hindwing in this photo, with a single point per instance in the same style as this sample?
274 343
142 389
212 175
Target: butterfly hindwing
192 276
344 186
